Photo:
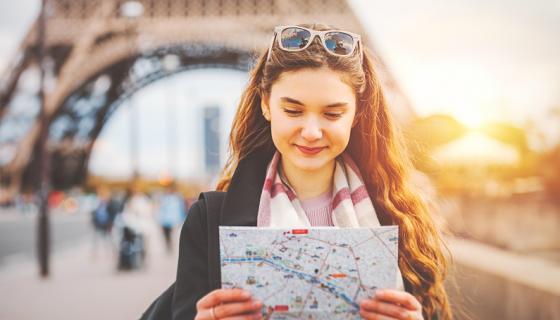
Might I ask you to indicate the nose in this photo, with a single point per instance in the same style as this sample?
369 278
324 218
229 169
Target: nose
312 130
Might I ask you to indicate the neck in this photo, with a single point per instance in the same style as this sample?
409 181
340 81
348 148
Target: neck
309 184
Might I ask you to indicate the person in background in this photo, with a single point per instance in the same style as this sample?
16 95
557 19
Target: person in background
138 214
171 212
102 218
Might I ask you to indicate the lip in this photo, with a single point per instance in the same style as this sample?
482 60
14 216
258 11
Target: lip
308 150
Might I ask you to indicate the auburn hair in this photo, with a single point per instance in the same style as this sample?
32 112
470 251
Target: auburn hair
377 149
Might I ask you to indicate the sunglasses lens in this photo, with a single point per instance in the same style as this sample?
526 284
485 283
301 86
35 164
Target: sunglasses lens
339 43
294 38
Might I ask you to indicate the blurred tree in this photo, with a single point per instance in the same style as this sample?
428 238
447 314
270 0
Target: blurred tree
423 135
507 133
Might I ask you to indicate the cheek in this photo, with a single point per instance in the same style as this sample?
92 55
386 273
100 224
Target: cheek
282 132
340 132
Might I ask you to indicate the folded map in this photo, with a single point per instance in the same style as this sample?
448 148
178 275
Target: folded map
315 273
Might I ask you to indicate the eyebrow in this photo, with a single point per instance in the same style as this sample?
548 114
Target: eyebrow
294 101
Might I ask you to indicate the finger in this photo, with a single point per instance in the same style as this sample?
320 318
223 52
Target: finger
374 316
222 296
401 297
237 308
384 308
205 314
245 317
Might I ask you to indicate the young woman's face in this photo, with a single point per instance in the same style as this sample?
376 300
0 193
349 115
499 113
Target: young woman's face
311 112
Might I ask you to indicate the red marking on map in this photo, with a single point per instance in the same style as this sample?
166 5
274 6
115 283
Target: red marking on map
339 275
300 231
281 307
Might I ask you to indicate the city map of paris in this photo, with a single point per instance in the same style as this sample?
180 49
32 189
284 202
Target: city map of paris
314 273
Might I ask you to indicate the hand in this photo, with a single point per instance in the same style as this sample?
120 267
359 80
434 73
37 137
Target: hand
390 304
230 304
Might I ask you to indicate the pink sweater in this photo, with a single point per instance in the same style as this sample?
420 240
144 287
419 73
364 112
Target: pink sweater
319 209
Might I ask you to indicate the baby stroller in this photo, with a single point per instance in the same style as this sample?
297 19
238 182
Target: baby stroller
132 250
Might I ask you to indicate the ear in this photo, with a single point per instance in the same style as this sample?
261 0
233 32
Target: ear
265 108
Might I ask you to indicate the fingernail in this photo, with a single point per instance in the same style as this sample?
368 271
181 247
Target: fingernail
246 294
379 291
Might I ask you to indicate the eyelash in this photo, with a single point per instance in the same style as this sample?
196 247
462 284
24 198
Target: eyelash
297 112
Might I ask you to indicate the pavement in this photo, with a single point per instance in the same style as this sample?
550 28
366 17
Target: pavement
18 234
84 285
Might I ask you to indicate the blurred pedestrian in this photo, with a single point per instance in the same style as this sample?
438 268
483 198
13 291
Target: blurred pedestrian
138 214
26 204
171 212
102 218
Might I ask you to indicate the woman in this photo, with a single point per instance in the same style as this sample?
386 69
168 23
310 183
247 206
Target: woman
313 122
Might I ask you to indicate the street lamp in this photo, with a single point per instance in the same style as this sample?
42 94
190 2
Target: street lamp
43 234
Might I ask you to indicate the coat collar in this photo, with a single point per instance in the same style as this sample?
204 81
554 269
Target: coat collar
241 203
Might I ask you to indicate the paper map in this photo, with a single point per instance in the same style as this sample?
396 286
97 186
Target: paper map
315 273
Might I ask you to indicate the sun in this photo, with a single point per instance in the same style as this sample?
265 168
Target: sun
470 117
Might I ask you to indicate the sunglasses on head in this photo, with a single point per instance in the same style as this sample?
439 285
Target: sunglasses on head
336 42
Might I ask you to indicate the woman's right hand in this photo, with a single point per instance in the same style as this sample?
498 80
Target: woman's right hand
228 304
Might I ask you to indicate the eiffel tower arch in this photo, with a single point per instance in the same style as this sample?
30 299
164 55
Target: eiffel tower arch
98 55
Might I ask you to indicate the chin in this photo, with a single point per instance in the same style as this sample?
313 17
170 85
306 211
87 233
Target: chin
310 163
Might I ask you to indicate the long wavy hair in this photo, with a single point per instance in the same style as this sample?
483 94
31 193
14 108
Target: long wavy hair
375 146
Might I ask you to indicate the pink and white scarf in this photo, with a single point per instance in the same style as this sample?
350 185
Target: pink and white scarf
351 206
279 206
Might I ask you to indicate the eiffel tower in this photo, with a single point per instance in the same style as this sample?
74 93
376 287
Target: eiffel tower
100 52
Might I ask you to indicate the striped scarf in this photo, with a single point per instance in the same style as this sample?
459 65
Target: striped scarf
351 206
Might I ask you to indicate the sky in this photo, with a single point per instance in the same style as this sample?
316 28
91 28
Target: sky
181 98
476 60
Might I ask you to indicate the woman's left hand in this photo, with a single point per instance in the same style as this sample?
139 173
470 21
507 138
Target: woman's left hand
391 304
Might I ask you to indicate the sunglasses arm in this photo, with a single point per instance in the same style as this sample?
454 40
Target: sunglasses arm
361 52
270 47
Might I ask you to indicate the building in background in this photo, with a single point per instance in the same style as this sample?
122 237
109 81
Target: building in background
212 139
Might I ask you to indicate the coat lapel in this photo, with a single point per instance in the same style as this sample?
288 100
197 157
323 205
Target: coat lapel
241 203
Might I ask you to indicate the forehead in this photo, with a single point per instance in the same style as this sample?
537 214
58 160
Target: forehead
313 86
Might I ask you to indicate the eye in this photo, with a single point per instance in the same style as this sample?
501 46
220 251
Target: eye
292 112
334 115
